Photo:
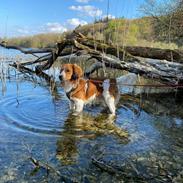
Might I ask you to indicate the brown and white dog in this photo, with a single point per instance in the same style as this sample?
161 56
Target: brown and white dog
81 91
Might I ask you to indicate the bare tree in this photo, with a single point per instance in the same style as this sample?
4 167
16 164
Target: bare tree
167 16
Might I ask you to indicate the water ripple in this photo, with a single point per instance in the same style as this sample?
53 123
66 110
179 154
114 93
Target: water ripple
34 111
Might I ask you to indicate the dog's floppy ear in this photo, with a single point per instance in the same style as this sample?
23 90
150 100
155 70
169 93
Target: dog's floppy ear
77 72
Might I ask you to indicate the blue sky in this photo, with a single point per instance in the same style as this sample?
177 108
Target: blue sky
28 17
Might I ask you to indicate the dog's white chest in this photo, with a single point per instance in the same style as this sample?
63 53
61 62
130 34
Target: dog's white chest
68 87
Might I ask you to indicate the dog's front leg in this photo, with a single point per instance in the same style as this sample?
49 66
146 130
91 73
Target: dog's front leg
72 105
79 104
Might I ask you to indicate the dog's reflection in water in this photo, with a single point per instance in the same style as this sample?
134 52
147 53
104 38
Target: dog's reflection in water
88 127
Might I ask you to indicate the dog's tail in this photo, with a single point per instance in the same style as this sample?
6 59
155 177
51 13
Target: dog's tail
125 80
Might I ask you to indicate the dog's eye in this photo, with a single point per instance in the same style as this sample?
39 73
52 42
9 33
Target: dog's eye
67 70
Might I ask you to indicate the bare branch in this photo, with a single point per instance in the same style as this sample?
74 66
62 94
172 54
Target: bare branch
26 50
93 68
166 71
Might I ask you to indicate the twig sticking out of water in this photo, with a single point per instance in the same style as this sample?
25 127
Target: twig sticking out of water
17 102
39 164
42 74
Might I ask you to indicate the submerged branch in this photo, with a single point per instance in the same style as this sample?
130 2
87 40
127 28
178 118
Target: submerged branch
40 164
119 171
105 167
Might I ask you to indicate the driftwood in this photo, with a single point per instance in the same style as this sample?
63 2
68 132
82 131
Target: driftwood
163 70
156 53
119 171
122 52
119 58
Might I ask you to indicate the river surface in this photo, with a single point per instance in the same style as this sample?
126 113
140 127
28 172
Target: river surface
144 143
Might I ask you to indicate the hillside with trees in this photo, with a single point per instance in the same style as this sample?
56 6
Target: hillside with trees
161 26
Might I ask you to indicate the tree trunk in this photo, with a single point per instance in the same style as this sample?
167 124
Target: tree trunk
156 53
128 51
166 71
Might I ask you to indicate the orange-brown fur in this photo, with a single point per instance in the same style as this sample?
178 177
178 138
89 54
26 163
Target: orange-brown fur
71 68
112 89
84 89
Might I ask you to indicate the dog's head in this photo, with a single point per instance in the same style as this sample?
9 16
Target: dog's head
70 72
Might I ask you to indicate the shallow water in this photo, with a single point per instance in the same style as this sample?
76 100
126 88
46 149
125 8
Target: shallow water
144 143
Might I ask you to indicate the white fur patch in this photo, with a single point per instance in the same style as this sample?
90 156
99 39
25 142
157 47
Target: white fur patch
63 74
106 84
79 104
86 87
109 99
68 86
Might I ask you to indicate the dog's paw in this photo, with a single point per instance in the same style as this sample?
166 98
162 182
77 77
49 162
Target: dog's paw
76 113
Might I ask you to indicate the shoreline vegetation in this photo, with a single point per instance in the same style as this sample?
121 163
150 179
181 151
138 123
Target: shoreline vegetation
160 26
119 32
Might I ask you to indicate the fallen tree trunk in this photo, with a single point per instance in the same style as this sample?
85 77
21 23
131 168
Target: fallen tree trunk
156 53
168 72
110 56
123 53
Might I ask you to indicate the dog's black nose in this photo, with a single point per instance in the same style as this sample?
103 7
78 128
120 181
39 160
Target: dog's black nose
61 77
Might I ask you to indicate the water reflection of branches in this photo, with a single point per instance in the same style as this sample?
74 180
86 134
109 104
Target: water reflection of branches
41 79
159 104
85 126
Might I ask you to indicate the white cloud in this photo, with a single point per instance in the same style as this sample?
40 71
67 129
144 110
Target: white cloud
54 27
109 16
50 27
83 1
74 22
87 10
23 31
